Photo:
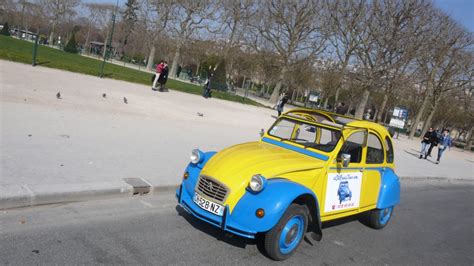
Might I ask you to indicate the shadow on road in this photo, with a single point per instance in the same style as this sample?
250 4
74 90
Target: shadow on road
219 234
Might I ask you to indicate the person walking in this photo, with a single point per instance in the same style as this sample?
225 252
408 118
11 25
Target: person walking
445 142
425 143
163 78
159 68
434 140
281 103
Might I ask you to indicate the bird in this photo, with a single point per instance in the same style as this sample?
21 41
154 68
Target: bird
104 95
200 114
58 95
125 100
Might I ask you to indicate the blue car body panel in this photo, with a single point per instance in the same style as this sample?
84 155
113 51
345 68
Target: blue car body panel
389 194
275 198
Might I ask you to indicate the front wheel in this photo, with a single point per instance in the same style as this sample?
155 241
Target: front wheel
285 237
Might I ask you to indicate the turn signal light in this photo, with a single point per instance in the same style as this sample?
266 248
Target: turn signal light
260 213
186 175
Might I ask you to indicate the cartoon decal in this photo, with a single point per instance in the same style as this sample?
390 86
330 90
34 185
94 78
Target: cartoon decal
343 191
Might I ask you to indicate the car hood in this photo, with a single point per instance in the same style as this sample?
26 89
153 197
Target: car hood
234 166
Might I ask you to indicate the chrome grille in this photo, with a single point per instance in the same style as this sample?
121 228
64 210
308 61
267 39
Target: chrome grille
211 188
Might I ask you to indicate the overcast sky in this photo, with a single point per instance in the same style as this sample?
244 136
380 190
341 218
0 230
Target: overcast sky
461 10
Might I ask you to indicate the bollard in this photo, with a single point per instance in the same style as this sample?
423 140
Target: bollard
35 49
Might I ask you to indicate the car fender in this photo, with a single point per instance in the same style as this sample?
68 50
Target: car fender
389 194
274 199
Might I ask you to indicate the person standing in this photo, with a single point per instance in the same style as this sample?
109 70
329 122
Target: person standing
445 142
163 78
159 68
425 143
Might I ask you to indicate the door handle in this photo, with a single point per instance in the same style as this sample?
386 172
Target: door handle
361 169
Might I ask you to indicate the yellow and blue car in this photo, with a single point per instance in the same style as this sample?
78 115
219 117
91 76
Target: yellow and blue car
308 168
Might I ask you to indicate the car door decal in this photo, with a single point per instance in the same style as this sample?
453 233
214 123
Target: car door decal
343 191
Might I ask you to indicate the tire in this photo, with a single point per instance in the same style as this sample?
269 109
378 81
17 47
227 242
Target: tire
379 218
285 237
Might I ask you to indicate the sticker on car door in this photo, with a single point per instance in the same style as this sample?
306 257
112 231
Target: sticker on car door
343 191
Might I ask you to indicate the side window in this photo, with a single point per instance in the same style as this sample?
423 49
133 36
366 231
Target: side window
389 152
306 132
374 150
353 146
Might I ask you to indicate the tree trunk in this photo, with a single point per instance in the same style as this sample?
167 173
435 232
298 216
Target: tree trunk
336 96
104 53
363 102
430 116
469 139
325 106
419 115
51 35
276 90
198 68
151 58
382 108
174 66
86 44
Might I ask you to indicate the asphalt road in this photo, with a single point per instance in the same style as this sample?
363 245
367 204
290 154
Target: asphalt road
433 225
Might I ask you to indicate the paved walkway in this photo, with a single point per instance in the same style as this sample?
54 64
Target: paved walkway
86 144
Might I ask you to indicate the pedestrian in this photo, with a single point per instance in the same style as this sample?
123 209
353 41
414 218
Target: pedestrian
207 93
281 103
425 143
178 72
445 142
434 140
163 78
341 108
159 68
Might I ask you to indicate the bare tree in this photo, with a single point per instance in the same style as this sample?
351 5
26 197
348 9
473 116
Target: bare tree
58 9
389 44
345 21
445 39
188 18
290 28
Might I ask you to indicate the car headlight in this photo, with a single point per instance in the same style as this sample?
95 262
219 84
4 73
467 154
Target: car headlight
257 183
197 156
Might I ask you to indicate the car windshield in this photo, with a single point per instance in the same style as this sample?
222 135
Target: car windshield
306 134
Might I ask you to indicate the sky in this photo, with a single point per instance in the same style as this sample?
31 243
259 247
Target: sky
461 10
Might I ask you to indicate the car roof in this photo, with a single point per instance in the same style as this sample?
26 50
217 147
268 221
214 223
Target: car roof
334 119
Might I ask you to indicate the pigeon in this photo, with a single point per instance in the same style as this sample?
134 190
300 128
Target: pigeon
104 95
58 95
200 114
125 100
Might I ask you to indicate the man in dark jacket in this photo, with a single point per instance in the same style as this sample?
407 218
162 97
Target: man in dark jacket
425 143
434 140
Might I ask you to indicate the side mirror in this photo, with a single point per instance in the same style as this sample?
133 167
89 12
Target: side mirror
262 132
345 159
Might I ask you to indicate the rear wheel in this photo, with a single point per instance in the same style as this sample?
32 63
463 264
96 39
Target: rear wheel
285 237
379 218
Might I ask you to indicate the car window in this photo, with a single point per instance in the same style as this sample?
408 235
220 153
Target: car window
374 150
306 134
389 152
353 146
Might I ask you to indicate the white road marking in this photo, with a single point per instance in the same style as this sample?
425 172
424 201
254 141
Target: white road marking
149 205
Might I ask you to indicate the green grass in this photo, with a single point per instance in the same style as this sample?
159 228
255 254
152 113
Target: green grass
21 51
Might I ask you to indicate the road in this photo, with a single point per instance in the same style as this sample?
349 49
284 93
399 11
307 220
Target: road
432 226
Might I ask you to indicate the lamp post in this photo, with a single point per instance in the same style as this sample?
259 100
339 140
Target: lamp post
109 42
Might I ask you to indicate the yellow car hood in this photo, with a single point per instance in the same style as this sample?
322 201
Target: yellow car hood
234 166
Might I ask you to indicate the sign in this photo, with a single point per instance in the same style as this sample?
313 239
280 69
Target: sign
399 117
314 97
343 191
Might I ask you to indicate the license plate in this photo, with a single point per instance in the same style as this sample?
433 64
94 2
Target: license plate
208 205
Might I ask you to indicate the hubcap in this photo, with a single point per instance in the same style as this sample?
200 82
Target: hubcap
385 215
291 234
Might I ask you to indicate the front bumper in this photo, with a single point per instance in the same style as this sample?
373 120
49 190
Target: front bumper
225 222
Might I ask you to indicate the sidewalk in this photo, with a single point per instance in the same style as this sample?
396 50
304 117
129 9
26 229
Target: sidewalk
85 146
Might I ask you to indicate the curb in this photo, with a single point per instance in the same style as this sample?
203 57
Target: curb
18 196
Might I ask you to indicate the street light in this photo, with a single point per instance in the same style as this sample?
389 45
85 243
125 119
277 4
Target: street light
109 42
